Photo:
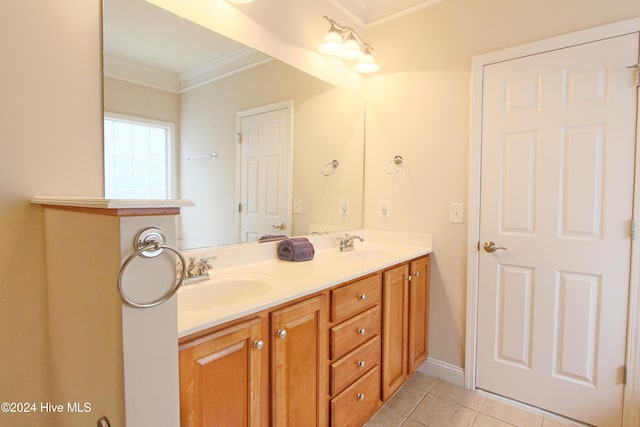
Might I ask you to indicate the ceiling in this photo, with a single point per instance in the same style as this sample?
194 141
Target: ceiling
148 45
372 12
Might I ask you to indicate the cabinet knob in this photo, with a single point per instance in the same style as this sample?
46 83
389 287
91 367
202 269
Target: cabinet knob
362 331
360 396
409 278
417 273
282 333
361 363
362 297
258 344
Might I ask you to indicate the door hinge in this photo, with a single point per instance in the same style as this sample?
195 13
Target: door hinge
633 229
239 207
478 246
239 137
637 67
625 375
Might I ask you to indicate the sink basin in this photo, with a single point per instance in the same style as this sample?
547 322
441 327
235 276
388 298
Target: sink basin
221 291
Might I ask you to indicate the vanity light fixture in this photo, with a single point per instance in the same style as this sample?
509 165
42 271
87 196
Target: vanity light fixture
346 44
240 1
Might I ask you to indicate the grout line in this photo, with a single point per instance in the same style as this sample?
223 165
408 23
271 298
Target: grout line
498 419
474 419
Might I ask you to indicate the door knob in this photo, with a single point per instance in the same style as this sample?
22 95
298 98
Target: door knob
491 247
280 226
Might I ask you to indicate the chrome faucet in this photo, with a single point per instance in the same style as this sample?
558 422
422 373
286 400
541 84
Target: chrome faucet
197 270
346 242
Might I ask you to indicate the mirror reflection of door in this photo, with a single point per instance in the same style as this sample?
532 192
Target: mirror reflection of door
264 156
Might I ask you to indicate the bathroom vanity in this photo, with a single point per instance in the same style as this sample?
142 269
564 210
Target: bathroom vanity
328 343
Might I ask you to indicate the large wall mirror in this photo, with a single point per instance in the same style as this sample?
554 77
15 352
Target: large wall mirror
206 88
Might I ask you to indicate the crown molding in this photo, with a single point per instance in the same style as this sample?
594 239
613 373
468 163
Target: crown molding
401 13
132 72
368 16
353 10
221 67
224 66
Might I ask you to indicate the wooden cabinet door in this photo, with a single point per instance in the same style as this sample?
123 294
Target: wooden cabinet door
395 331
418 312
220 378
298 364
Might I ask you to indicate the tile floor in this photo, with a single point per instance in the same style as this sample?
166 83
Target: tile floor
432 402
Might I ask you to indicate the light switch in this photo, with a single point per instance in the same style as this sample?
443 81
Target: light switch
297 206
456 213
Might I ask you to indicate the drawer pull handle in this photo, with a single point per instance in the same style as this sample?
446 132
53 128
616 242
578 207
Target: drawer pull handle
258 344
362 297
362 331
360 396
361 363
282 333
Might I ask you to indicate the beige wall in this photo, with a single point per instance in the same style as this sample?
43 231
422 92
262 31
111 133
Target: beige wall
141 101
85 315
418 106
50 118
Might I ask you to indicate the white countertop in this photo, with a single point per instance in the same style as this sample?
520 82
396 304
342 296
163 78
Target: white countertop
240 289
102 203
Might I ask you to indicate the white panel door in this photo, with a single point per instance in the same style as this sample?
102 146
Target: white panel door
265 164
558 147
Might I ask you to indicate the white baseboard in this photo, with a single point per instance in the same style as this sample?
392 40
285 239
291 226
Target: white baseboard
446 371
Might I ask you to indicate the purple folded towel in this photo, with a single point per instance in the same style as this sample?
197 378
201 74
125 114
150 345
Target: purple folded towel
296 249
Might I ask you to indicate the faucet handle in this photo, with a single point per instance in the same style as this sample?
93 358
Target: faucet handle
205 261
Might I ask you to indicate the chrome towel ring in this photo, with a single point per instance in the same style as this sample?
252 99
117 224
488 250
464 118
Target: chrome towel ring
149 243
329 168
398 161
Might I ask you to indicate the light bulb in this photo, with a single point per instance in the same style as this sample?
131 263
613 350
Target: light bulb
366 64
351 50
332 43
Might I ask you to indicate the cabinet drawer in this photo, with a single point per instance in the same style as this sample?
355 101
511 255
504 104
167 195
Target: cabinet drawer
355 297
350 334
358 402
353 365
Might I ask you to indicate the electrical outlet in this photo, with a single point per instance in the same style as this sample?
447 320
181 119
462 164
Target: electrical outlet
384 209
456 213
344 207
297 206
